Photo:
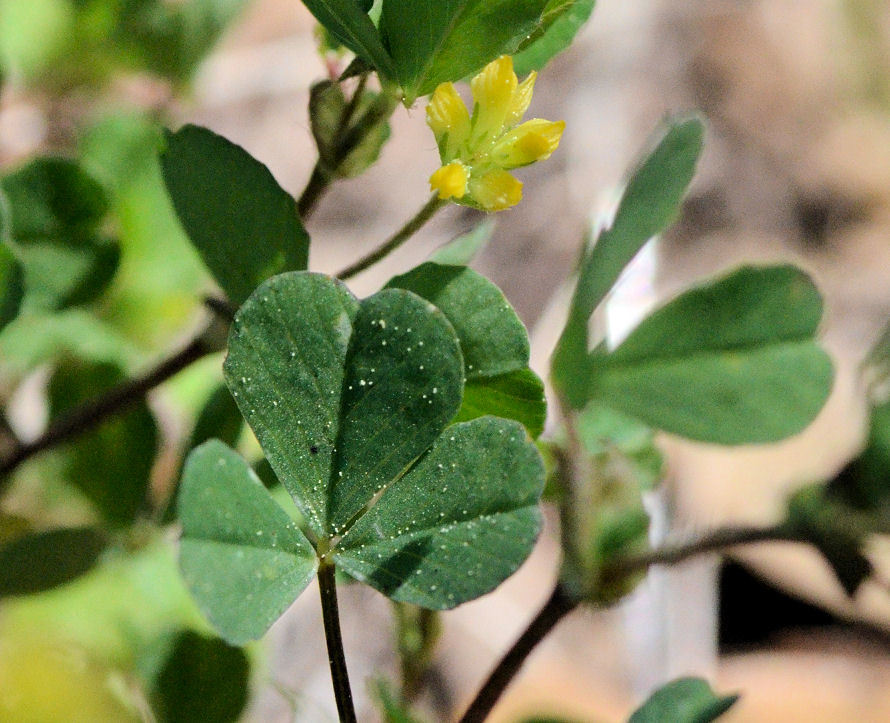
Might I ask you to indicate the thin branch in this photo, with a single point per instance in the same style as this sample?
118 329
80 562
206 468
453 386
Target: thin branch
554 610
316 186
719 540
561 603
327 587
397 239
90 414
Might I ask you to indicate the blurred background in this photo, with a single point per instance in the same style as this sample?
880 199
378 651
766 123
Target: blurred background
797 167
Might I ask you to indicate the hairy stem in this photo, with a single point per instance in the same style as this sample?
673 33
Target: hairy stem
336 657
561 603
397 239
81 419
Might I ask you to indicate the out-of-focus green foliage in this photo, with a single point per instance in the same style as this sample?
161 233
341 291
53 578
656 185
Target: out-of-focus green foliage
60 44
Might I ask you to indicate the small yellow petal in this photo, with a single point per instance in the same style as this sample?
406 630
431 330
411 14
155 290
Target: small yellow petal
493 91
521 100
448 118
532 141
450 180
496 190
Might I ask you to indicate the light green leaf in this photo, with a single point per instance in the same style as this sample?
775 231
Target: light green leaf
732 362
685 700
563 20
161 274
202 679
457 524
32 339
112 463
515 395
38 561
244 225
605 432
649 204
242 557
354 29
59 273
462 250
493 341
448 40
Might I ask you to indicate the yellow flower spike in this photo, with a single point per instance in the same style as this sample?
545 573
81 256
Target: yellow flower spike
448 118
450 180
496 190
493 92
477 151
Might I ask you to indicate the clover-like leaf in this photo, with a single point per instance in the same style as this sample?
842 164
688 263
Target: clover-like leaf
685 700
53 198
351 402
457 523
462 249
243 558
650 202
493 341
562 21
732 362
434 42
201 678
244 225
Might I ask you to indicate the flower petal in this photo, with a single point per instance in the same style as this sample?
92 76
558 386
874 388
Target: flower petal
532 141
449 120
493 91
496 190
520 101
450 180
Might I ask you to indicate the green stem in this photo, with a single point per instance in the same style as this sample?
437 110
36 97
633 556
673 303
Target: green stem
397 239
327 587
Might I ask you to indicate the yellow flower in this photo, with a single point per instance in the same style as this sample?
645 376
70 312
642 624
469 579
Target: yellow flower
478 150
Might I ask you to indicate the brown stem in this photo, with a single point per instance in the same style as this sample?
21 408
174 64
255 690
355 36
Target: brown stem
83 418
561 603
715 541
554 610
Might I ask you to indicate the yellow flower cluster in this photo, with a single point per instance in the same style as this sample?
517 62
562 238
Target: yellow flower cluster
478 151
